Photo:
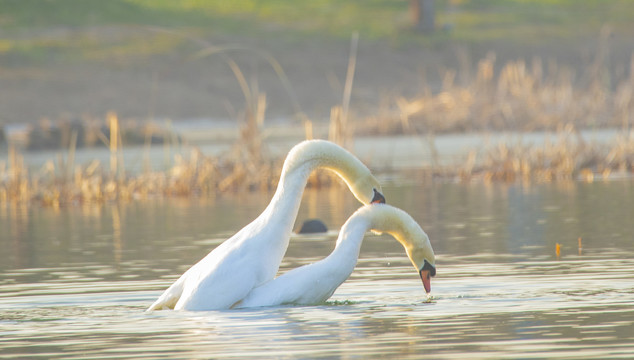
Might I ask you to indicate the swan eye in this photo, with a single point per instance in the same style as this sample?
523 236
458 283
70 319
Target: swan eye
429 267
378 198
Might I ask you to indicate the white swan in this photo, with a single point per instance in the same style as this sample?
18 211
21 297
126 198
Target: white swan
252 256
315 283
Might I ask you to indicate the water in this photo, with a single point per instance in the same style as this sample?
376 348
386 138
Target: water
74 282
384 152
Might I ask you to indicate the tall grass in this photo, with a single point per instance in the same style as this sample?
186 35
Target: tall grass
540 95
562 158
566 157
519 97
341 128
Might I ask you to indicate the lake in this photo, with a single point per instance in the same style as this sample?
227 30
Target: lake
74 282
378 152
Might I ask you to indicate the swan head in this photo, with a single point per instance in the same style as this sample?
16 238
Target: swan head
367 190
325 154
406 230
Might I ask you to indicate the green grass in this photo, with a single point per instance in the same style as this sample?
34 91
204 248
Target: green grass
525 20
101 28
330 17
80 13
373 18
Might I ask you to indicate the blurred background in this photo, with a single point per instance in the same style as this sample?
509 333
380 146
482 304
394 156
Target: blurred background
502 126
214 60
531 89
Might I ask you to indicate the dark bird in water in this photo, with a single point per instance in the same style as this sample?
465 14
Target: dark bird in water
312 226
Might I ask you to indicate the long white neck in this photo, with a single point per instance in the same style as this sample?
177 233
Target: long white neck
343 259
276 221
283 208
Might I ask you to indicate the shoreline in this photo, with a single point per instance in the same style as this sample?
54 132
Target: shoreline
73 177
377 151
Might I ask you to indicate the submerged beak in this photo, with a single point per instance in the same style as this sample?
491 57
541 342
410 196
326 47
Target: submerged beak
426 277
426 273
378 198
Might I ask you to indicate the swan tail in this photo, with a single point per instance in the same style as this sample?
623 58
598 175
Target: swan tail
169 298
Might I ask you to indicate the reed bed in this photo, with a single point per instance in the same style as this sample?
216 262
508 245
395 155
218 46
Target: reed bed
246 168
197 175
565 157
541 95
518 98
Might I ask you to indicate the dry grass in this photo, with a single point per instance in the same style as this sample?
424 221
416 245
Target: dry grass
247 167
567 157
563 158
521 97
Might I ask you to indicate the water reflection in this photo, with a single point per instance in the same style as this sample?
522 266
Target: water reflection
74 281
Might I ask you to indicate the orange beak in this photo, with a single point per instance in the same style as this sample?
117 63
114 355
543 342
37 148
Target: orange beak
426 277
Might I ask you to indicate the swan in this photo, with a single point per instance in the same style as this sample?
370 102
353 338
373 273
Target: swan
253 255
315 283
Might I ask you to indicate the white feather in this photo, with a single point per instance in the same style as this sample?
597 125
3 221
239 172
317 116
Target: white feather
315 283
252 256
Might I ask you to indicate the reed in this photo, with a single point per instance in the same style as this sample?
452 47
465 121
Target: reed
519 96
341 127
564 158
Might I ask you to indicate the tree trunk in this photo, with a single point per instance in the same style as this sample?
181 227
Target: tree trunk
424 15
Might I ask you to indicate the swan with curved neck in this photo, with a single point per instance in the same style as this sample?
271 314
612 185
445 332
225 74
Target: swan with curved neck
315 283
252 256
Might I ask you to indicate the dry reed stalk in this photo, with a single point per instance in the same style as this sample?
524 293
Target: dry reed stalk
337 129
521 97
308 130
340 128
113 123
560 158
70 165
347 90
17 185
566 158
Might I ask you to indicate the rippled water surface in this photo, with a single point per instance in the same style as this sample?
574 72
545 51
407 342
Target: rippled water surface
74 282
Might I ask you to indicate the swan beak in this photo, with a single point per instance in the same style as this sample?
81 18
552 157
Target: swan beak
378 198
426 277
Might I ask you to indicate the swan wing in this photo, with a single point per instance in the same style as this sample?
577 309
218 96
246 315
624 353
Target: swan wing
232 270
170 297
305 285
218 283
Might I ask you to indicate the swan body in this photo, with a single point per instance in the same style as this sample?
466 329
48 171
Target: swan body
316 282
252 256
